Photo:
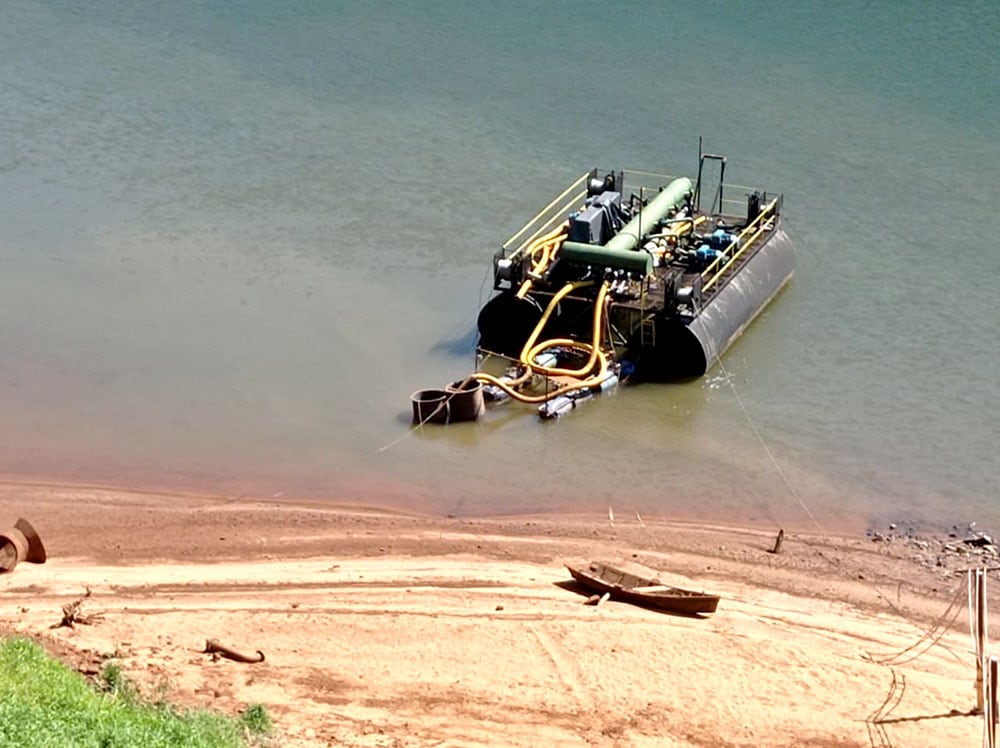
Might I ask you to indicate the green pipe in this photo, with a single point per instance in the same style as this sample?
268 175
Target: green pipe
606 257
632 232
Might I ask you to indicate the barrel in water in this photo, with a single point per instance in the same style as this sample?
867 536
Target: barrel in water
430 406
465 400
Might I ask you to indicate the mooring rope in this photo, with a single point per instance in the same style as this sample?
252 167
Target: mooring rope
931 635
763 443
420 424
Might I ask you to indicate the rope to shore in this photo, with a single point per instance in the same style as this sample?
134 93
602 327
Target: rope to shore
938 628
801 244
419 425
765 447
933 635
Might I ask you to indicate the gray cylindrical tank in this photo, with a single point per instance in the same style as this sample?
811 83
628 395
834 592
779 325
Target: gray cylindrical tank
743 298
691 350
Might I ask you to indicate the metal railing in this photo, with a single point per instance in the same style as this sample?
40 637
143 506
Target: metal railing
548 216
645 185
740 245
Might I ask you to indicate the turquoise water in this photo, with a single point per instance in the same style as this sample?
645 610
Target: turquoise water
236 237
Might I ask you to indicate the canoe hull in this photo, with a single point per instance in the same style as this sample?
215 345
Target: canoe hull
628 588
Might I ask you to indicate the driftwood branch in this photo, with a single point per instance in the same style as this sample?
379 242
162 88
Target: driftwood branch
214 648
73 616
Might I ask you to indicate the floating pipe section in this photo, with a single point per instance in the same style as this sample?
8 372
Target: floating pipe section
430 406
465 400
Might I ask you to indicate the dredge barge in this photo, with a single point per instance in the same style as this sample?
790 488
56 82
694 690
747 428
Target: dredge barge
623 274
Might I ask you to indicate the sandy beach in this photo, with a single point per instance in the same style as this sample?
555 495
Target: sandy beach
385 629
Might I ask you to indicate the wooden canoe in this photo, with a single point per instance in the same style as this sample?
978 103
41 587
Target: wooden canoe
648 593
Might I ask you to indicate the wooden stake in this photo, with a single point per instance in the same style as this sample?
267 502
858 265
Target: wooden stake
777 542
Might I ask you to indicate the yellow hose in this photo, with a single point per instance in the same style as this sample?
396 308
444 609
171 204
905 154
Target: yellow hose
545 247
680 226
545 239
531 399
531 350
546 253
553 303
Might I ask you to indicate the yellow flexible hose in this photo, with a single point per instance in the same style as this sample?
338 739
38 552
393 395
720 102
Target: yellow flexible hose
544 242
553 303
542 252
529 354
531 350
532 399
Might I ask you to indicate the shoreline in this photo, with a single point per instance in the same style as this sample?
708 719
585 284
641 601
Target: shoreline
386 628
796 519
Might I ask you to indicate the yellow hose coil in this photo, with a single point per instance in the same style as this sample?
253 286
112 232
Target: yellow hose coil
531 351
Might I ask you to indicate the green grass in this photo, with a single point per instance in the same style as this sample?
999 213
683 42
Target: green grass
44 703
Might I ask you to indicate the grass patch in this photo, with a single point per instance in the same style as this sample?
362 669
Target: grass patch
44 703
256 719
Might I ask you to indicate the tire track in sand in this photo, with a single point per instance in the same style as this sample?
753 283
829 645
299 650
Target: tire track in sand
565 669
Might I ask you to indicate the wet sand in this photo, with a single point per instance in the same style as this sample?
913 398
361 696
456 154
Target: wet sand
387 629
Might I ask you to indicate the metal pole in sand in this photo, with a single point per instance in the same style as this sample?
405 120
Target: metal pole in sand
990 725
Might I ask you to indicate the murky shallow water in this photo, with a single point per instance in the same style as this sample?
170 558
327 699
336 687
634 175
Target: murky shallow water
235 242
